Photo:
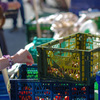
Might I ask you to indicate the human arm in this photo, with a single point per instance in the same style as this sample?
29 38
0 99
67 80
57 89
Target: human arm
22 56
10 5
14 5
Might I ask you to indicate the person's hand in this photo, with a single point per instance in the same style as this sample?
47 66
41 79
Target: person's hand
14 5
23 56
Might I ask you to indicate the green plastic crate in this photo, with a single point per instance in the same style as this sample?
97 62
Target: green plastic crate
96 95
31 31
31 28
95 91
96 86
75 58
28 72
31 47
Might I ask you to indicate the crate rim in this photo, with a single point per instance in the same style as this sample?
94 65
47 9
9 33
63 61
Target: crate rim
65 49
43 46
45 81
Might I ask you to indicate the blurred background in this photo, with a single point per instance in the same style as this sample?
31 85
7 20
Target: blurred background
18 39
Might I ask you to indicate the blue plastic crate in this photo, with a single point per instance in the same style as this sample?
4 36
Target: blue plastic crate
3 90
22 89
27 72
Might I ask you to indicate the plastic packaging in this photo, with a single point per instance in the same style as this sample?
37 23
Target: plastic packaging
88 27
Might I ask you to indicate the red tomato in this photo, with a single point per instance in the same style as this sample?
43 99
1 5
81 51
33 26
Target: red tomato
66 97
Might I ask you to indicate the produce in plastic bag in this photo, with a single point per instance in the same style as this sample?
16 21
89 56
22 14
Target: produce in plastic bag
63 24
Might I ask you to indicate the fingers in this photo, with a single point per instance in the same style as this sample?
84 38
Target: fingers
29 62
25 57
30 57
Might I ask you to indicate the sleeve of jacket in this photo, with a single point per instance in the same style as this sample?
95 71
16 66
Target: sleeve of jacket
4 6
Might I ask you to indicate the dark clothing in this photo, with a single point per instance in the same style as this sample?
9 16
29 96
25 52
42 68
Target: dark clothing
3 43
2 39
4 5
22 13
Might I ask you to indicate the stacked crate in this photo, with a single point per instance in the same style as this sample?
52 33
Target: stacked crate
72 59
27 86
66 69
39 90
75 58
